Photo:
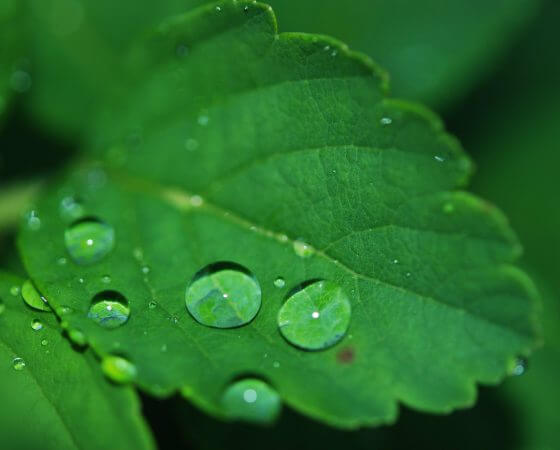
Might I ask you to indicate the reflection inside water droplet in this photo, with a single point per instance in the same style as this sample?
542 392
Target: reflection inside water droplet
89 240
18 364
36 325
252 400
109 309
316 316
223 295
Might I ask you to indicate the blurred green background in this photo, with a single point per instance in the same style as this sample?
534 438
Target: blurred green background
490 68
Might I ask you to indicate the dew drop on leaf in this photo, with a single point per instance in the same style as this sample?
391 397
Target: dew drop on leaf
302 249
279 282
18 363
71 209
223 295
44 342
14 290
251 400
32 220
118 369
36 325
152 304
32 297
89 240
519 367
316 316
106 279
109 309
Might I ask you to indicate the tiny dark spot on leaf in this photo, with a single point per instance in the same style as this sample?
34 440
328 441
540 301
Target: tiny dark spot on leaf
346 355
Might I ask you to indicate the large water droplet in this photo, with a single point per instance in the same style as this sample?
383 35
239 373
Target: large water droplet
251 400
109 309
36 325
118 369
316 316
89 240
18 364
223 295
32 297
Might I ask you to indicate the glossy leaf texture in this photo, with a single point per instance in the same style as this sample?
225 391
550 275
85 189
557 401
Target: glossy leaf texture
53 397
435 50
280 156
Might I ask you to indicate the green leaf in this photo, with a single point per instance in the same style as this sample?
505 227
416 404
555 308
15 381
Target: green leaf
435 50
282 155
53 397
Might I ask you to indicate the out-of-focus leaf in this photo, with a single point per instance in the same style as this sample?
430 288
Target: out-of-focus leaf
281 153
52 396
435 50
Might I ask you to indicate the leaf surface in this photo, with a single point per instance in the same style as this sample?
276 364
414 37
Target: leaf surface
53 397
282 154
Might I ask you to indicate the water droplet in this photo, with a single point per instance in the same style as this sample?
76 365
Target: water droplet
145 270
395 261
519 367
191 145
251 400
439 158
164 348
81 280
223 295
89 240
36 325
106 279
138 254
109 309
246 9
18 363
279 282
218 8
20 81
61 261
118 369
386 121
316 316
14 290
196 200
71 209
77 337
32 220
302 249
276 364
203 120
44 342
63 311
32 297
152 304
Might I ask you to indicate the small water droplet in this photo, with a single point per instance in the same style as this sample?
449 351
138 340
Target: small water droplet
77 337
191 145
251 400
61 261
118 369
106 279
439 158
246 9
138 254
89 240
316 316
145 270
32 220
71 209
81 280
302 249
203 120
63 311
109 309
18 363
218 8
408 274
279 282
32 297
36 325
519 367
395 261
276 364
152 304
44 342
196 200
386 121
14 290
164 348
223 295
